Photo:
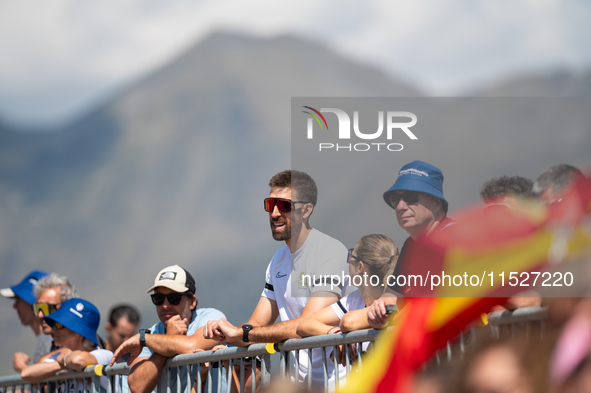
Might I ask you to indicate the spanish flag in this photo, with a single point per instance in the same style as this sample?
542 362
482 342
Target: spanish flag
486 246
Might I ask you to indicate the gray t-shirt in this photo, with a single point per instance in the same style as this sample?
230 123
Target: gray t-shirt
43 346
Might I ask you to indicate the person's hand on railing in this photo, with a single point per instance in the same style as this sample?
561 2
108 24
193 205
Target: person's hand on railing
176 325
131 345
75 360
212 331
377 316
342 354
61 358
20 360
224 332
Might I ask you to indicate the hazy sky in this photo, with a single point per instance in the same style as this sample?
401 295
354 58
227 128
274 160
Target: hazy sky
61 56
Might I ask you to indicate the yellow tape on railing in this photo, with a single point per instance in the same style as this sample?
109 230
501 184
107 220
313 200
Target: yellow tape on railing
98 370
271 348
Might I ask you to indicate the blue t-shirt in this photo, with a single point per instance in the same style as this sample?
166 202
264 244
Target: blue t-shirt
200 318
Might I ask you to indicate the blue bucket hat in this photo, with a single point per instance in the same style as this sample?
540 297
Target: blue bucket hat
419 176
78 315
24 289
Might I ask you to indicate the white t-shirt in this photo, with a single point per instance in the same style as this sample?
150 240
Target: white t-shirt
103 357
352 302
292 277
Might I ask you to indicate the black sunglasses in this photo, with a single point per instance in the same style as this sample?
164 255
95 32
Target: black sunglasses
283 205
350 255
409 197
174 298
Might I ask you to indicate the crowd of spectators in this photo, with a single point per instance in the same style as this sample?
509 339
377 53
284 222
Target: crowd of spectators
300 291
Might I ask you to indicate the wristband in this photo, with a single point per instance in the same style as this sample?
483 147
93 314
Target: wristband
143 333
338 330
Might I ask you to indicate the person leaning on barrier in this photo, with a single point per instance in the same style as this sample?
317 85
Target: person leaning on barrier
506 193
51 291
24 297
180 330
421 210
373 256
73 328
308 252
551 185
549 189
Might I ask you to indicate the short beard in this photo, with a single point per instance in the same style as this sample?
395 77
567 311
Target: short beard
281 235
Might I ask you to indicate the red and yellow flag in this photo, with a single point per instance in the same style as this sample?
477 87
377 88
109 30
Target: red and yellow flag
490 244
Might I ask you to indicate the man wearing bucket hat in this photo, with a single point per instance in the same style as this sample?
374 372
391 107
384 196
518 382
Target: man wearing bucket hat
180 330
73 328
421 210
24 296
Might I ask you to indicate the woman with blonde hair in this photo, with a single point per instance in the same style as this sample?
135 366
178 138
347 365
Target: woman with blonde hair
370 263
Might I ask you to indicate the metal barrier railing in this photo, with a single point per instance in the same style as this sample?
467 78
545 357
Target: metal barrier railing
500 324
229 369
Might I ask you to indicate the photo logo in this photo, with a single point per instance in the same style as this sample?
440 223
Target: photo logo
310 129
397 123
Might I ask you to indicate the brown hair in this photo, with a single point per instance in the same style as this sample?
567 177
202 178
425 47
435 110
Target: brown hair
300 182
498 188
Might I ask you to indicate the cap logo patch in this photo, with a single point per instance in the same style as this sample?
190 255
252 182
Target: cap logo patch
33 281
79 306
167 276
412 171
76 312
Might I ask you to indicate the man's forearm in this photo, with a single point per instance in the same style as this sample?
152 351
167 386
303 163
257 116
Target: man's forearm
169 345
145 373
275 333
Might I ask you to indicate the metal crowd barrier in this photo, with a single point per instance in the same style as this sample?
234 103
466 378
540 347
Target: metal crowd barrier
233 366
531 320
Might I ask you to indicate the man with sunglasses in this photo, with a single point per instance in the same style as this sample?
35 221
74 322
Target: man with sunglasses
24 297
50 291
180 330
288 293
417 198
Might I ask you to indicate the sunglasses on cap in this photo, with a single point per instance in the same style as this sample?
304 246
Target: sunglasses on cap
174 298
283 205
45 308
409 197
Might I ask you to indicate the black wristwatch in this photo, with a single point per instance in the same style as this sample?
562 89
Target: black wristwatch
245 330
143 333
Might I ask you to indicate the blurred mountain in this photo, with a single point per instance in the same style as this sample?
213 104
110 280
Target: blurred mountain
171 171
174 169
554 84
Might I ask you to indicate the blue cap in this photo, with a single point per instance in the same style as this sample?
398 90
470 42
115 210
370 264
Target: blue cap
419 176
24 289
78 315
